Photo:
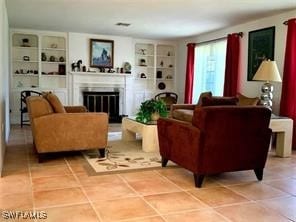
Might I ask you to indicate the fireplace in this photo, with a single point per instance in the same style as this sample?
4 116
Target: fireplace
107 102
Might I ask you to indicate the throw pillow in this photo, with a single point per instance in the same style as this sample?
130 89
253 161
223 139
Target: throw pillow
202 95
219 101
55 103
247 101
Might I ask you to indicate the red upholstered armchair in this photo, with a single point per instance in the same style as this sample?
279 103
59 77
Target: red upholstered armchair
220 139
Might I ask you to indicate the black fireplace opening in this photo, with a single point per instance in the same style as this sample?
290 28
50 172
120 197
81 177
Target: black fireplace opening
107 102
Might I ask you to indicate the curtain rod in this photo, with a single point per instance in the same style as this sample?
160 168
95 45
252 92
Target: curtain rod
239 33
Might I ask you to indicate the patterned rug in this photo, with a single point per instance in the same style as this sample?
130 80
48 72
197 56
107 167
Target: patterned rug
122 156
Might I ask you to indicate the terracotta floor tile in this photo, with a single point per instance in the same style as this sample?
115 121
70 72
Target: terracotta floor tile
108 191
121 209
173 171
136 176
280 171
286 185
161 187
45 171
14 167
18 183
174 202
285 206
257 191
54 182
218 196
153 186
47 162
196 216
59 197
147 219
20 201
250 212
107 180
76 213
78 168
274 161
238 177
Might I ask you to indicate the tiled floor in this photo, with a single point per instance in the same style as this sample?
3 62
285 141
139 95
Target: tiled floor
62 188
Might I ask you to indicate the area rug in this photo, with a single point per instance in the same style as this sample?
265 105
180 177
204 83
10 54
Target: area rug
123 156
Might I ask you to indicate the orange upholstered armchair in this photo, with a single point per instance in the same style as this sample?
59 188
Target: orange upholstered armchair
219 139
57 128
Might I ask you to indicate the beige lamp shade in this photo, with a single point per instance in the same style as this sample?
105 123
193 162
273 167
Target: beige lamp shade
268 71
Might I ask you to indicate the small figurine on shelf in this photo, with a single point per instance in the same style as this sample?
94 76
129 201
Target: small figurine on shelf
171 66
79 64
43 56
83 68
161 63
26 43
52 59
143 76
143 62
143 51
62 59
74 67
26 58
169 53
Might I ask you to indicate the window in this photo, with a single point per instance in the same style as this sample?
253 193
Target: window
209 68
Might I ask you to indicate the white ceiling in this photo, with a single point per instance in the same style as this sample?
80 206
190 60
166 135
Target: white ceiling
158 19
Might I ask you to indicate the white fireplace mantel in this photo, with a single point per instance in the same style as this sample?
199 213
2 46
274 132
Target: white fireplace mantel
80 81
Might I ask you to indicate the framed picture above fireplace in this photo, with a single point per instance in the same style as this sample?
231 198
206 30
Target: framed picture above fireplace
101 53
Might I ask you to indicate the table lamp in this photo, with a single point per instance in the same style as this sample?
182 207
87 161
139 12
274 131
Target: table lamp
267 71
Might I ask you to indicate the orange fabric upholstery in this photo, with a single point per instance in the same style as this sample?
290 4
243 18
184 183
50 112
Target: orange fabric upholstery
53 132
55 103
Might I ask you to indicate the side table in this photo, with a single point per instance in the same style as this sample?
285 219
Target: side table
283 128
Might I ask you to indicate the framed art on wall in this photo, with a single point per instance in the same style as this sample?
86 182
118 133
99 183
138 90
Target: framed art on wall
101 53
261 47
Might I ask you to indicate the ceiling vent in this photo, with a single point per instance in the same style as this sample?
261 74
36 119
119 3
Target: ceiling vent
123 24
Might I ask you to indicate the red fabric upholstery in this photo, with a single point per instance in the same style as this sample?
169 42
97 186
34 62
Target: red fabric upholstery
220 139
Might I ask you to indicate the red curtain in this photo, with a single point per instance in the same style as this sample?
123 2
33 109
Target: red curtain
288 98
231 67
189 73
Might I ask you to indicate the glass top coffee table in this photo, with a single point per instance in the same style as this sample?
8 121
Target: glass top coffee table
130 127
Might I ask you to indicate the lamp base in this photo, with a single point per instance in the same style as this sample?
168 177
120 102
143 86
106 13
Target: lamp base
266 95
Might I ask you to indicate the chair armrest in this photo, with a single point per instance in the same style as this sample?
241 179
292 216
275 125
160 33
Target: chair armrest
70 131
179 141
76 109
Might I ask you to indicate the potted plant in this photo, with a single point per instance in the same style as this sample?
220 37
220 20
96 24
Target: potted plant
151 110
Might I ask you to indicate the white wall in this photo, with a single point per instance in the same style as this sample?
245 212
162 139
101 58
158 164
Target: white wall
4 80
248 88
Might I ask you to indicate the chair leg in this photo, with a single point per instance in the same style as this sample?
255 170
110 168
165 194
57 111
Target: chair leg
41 157
22 120
198 179
102 152
259 173
164 161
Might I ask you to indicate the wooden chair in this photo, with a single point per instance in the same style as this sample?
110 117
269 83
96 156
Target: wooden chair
24 109
168 97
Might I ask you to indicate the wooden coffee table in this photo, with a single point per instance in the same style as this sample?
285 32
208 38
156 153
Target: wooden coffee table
130 127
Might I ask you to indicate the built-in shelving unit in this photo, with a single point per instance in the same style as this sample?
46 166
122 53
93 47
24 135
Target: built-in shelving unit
30 70
155 63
